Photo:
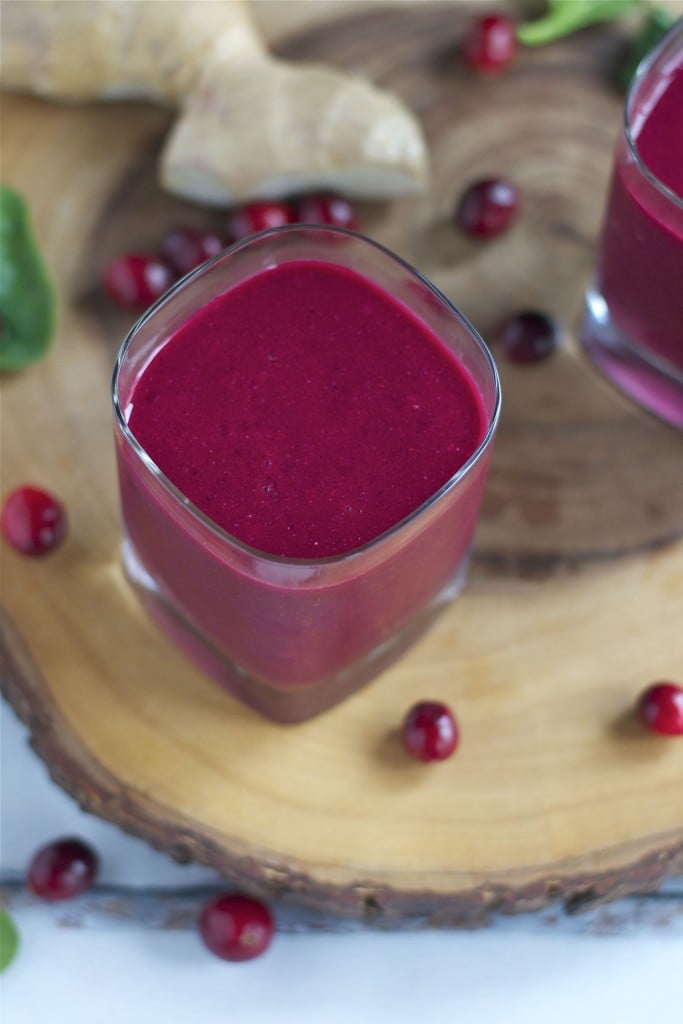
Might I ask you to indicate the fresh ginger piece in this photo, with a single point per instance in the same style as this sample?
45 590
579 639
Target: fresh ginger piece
266 128
81 50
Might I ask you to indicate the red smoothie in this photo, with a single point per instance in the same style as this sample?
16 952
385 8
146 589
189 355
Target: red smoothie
640 269
258 411
302 455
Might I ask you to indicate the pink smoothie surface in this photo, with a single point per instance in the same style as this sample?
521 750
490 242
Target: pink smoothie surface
306 411
640 267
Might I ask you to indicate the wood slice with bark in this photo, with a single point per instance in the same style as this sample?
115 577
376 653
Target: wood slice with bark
577 581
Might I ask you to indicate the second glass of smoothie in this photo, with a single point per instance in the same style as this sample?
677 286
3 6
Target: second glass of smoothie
303 430
633 327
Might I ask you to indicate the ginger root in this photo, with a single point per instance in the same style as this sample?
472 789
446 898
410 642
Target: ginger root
250 126
84 50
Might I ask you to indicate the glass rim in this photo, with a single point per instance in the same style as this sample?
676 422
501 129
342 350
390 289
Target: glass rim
640 74
209 524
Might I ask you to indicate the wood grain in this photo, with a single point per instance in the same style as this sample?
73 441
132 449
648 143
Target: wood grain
575 596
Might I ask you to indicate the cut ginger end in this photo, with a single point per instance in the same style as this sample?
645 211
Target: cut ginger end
269 129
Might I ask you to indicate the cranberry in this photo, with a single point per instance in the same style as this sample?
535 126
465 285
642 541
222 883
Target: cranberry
136 281
62 870
488 207
528 337
33 521
491 44
660 708
255 217
430 732
327 208
236 927
186 248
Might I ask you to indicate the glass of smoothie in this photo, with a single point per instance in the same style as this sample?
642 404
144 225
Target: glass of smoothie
633 324
303 430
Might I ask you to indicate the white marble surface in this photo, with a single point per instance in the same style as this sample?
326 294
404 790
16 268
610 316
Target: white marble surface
94 963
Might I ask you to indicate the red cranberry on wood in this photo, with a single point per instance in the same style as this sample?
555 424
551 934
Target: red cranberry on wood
255 217
488 207
660 709
236 927
491 44
62 869
33 521
528 337
327 208
185 248
430 732
135 281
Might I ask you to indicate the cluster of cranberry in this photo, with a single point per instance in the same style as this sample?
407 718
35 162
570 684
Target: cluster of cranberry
487 208
136 280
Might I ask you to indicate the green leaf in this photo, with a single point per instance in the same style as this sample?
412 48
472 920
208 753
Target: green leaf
566 16
27 305
9 939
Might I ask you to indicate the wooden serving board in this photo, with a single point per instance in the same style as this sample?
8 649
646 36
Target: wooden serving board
576 590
